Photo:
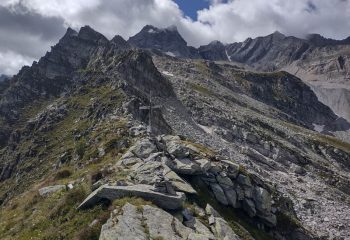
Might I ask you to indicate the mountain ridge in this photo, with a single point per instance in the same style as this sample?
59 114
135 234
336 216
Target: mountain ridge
221 140
275 52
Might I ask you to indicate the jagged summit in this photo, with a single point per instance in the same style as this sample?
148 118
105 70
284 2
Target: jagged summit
120 42
167 40
320 41
87 33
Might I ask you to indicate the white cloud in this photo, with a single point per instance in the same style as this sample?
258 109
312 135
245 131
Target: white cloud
225 20
239 19
10 62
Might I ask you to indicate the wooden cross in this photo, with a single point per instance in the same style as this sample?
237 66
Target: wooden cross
149 108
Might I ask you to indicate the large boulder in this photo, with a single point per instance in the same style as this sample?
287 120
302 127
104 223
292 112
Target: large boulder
178 183
219 193
183 166
178 148
223 230
127 225
162 225
262 200
143 148
165 201
232 168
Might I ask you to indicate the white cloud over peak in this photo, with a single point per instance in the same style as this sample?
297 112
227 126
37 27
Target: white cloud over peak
225 20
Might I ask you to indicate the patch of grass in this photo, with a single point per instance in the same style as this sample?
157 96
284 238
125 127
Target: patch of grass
63 173
202 149
138 202
201 89
80 148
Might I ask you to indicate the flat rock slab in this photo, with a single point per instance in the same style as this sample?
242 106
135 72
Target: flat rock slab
45 191
146 192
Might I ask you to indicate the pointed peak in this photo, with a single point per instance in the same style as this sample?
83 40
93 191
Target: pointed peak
150 29
153 29
71 32
88 33
118 38
278 34
120 42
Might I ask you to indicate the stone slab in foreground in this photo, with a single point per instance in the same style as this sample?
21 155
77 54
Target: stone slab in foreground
146 192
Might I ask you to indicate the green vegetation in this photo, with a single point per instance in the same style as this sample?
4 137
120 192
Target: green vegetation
201 89
30 216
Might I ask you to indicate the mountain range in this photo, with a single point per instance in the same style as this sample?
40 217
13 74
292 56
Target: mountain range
152 139
320 62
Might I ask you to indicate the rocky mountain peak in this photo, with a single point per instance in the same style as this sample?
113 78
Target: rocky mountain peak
278 35
89 34
120 42
167 40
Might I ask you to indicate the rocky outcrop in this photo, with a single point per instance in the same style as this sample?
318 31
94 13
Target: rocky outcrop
156 175
147 222
163 200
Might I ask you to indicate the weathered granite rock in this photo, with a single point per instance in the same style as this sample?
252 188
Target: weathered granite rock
232 168
162 225
262 200
143 148
127 226
244 180
183 166
209 210
219 193
45 191
178 183
219 226
224 180
202 231
146 192
223 230
249 207
145 172
231 196
178 149
204 164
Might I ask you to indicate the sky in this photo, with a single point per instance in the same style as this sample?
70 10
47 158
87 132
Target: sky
29 27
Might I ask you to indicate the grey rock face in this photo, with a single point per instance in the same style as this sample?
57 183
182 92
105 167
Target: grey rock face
262 199
127 226
249 207
213 51
183 166
143 148
147 222
219 193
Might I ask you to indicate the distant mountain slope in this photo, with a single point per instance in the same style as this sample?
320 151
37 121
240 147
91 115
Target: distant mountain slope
3 77
323 63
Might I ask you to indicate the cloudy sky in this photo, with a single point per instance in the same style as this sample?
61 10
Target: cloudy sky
29 27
